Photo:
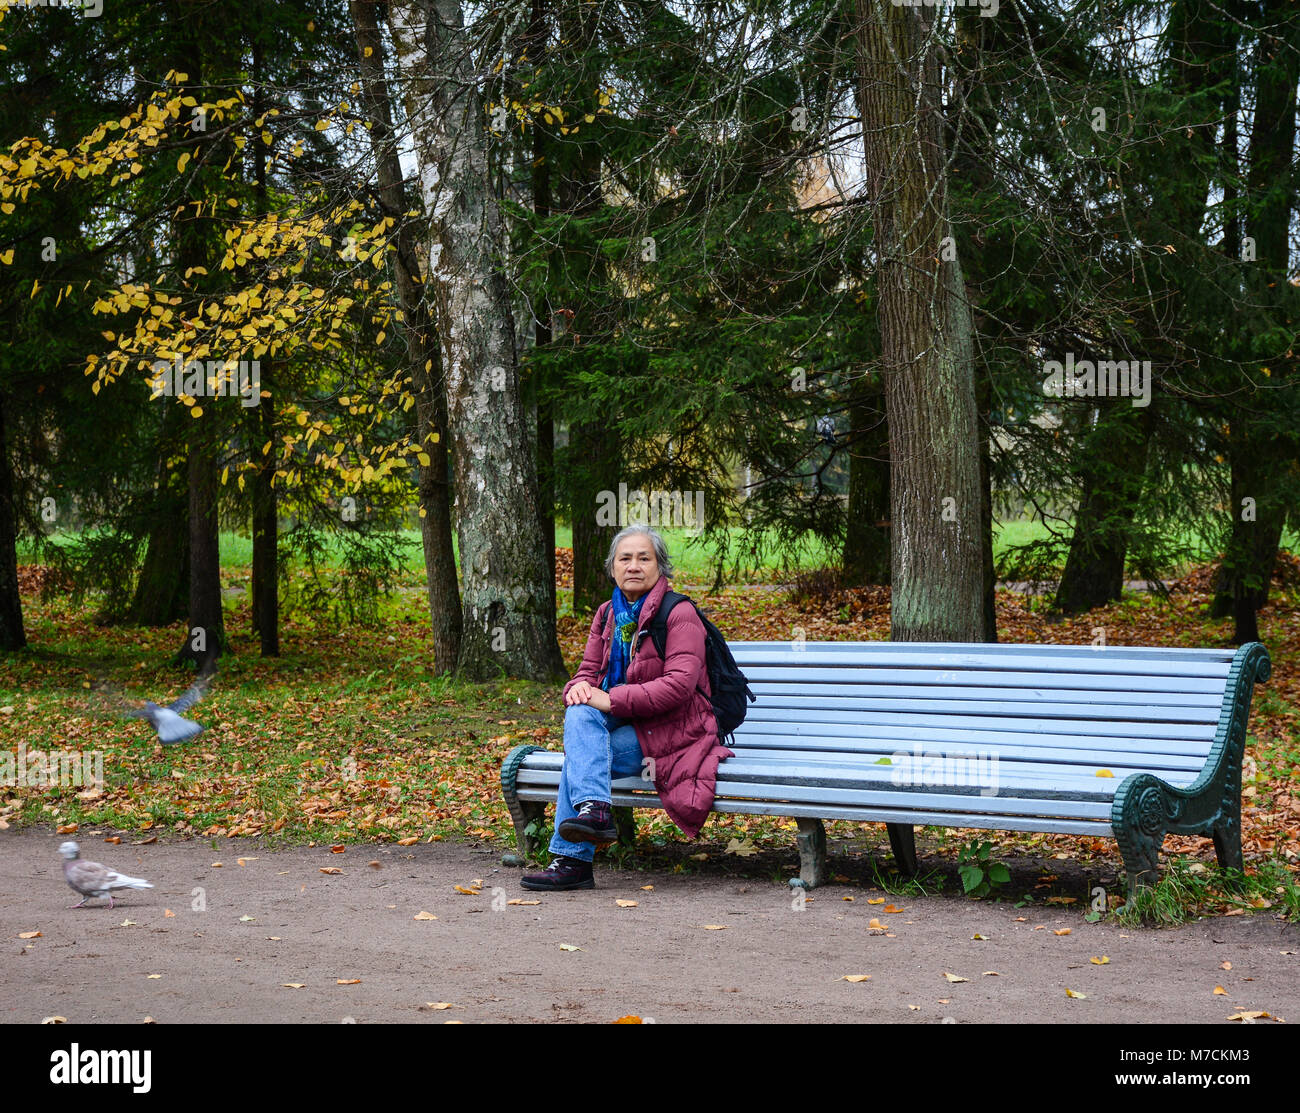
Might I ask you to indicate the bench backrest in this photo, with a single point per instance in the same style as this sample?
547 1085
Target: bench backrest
1131 708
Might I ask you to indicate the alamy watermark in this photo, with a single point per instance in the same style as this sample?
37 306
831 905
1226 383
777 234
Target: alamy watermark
924 768
986 7
218 378
91 8
1107 378
51 768
684 509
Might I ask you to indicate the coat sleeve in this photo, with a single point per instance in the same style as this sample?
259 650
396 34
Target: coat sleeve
593 662
683 663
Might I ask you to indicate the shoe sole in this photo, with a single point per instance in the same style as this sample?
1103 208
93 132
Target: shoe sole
524 883
574 832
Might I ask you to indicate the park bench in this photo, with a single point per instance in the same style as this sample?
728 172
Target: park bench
1107 741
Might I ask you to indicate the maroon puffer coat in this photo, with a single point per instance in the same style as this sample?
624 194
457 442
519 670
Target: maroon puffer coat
668 701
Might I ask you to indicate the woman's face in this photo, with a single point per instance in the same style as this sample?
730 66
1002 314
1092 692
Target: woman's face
636 570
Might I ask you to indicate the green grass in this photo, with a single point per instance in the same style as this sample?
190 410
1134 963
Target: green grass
693 556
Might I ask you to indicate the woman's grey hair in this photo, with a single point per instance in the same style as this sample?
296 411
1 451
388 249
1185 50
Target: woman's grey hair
661 550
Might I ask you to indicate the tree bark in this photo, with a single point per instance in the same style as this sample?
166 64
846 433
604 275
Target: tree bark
266 518
508 620
866 537
12 636
1261 450
424 360
159 598
925 332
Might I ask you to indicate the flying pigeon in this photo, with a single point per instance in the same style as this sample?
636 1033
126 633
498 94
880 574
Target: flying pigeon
168 721
90 879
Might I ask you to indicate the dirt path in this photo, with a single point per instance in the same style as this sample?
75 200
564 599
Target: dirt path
278 919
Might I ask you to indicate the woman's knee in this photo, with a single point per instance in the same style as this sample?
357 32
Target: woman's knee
582 715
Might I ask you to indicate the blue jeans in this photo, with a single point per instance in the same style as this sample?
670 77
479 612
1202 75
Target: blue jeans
597 748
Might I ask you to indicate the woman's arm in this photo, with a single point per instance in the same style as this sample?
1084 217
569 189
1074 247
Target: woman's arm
683 663
593 657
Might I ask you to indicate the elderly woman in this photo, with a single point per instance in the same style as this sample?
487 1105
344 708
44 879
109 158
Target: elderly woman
630 711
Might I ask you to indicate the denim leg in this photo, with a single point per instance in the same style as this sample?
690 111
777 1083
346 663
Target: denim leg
592 756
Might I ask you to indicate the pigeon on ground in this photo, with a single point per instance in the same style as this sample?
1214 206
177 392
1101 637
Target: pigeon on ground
91 879
168 721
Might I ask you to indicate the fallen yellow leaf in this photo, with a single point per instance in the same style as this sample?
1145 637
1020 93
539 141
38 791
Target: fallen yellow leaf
338 848
874 923
856 978
168 914
891 910
1225 965
977 935
846 898
516 900
1219 991
647 888
55 1020
292 985
155 975
629 1020
1103 961
347 981
422 915
439 1005
467 892
569 947
875 900
1249 1016
1105 773
714 927
330 869
29 935
990 974
409 842
625 903
954 977
1061 931
1070 993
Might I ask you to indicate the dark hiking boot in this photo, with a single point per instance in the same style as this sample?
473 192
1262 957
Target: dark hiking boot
593 823
562 873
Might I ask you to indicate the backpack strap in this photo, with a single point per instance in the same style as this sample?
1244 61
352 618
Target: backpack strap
659 624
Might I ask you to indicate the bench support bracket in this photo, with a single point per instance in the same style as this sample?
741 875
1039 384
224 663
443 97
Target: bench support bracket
1145 808
902 841
522 812
811 840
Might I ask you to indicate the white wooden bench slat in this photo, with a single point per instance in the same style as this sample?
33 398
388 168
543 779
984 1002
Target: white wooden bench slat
767 705
834 736
1097 663
1043 782
767 692
1096 679
1012 772
890 649
1044 809
995 723
623 798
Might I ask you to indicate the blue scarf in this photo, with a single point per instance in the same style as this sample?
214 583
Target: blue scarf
626 616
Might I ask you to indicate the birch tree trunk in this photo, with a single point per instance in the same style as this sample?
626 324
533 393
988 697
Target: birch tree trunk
925 333
508 621
423 356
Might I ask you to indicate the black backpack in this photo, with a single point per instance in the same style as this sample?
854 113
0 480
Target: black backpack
726 681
